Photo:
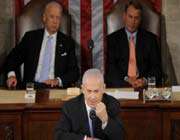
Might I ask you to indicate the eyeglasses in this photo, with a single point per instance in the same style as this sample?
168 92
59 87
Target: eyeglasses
96 91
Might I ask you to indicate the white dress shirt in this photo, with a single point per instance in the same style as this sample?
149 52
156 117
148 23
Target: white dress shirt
88 109
41 57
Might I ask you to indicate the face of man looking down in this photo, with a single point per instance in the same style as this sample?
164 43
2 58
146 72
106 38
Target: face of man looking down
93 90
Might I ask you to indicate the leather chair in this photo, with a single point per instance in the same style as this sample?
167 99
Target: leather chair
31 18
150 19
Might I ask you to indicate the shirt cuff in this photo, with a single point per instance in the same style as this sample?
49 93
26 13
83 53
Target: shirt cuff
85 137
11 73
104 125
59 81
126 78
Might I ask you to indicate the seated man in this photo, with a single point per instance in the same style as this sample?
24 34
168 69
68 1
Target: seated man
133 53
91 115
48 55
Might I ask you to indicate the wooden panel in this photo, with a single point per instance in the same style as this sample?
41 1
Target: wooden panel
142 124
175 131
40 125
10 126
171 125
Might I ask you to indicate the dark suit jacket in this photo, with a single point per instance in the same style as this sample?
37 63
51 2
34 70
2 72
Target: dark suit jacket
74 125
148 57
28 52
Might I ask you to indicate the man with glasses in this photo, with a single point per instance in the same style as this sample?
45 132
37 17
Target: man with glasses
92 115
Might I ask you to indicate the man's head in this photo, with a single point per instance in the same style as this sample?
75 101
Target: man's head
52 17
93 87
132 15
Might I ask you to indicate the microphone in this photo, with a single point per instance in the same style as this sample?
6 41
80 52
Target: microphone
92 114
91 44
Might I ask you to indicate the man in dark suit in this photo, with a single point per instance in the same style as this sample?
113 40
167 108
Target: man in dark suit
60 64
92 115
128 67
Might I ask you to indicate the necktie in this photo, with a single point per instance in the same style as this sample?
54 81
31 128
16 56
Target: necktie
46 60
92 115
95 127
132 58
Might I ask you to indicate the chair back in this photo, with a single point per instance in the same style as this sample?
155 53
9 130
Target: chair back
150 18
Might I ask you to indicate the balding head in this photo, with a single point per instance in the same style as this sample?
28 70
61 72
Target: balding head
92 74
53 4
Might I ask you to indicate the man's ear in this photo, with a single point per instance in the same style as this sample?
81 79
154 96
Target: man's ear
82 88
44 18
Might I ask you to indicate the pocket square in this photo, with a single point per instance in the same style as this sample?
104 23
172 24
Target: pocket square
64 54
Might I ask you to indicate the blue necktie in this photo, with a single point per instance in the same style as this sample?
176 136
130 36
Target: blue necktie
46 60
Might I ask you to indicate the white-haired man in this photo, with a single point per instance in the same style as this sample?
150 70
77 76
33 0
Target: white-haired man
92 115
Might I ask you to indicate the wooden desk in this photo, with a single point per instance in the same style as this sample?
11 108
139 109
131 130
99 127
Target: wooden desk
150 121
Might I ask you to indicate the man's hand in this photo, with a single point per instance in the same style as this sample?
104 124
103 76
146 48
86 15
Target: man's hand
52 82
131 80
136 83
101 112
89 138
11 82
139 83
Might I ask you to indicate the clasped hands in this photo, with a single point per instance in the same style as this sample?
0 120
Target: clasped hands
136 82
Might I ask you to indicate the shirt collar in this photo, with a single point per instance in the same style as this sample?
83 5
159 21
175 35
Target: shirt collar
129 33
87 107
47 34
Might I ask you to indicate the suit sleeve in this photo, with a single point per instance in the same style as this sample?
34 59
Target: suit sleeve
155 68
114 76
17 55
63 130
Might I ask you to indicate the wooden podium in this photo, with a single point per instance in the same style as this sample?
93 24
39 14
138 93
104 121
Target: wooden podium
20 120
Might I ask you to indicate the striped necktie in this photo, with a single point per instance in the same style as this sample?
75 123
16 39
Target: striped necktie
47 57
132 67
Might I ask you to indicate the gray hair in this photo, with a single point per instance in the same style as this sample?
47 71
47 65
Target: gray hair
92 73
53 3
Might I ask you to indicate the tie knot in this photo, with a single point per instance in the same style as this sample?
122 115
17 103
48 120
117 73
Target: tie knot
132 37
50 37
92 114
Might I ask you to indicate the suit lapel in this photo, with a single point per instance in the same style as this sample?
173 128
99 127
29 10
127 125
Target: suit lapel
37 49
125 50
84 123
139 56
58 51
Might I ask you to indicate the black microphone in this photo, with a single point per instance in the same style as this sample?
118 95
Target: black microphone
92 114
91 44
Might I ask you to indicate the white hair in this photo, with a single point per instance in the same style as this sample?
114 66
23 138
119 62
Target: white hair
95 73
53 3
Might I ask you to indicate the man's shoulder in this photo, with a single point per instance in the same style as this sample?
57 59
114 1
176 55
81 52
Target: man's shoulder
147 33
110 99
116 33
64 36
74 101
35 31
112 104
